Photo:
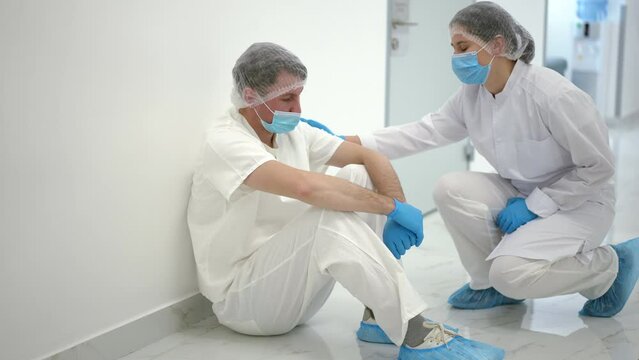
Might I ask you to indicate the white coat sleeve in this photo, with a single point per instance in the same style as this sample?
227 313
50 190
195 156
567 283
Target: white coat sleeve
576 125
435 129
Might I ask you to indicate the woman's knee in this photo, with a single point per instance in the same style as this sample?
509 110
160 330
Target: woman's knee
449 185
512 275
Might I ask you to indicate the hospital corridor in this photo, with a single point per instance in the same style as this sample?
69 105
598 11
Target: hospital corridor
537 329
319 180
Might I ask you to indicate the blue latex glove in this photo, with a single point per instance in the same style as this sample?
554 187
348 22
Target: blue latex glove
409 217
319 125
514 215
397 238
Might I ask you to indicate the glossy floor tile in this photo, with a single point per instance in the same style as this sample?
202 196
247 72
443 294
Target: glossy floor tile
537 329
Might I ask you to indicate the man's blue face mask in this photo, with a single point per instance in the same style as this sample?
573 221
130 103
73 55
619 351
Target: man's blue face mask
283 121
468 69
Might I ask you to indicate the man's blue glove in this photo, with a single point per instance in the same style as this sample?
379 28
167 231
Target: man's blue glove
319 125
514 215
397 238
409 217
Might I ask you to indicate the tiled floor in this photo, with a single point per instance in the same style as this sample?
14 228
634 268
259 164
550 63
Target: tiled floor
537 329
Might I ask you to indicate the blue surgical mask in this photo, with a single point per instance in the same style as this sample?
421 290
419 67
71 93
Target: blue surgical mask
468 69
283 121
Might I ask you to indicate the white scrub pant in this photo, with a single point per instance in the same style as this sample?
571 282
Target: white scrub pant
286 281
557 255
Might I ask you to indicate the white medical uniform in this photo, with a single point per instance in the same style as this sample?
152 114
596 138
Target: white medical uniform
267 262
548 144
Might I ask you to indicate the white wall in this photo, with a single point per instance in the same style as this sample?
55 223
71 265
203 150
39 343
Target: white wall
342 43
102 109
531 15
609 47
630 91
102 105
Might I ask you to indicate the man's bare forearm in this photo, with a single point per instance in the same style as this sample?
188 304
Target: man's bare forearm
339 194
317 189
383 175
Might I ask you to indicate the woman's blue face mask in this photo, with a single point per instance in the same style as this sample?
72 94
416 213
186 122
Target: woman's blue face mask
283 121
468 69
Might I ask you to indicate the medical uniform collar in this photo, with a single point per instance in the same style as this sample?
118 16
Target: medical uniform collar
517 73
235 114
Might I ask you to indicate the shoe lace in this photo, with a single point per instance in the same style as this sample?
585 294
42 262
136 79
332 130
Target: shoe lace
441 334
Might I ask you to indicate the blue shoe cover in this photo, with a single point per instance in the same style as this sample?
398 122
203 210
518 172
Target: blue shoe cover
610 303
467 298
458 348
372 333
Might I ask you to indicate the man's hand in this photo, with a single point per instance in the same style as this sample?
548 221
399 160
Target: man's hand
397 238
409 217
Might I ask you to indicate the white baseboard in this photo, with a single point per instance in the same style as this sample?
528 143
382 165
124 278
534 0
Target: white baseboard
140 333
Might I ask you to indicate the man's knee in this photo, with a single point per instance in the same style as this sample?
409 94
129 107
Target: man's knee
356 174
276 328
512 275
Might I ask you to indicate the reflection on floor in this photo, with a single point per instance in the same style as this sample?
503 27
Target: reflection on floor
537 329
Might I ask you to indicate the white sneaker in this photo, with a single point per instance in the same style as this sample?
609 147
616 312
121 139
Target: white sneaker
442 343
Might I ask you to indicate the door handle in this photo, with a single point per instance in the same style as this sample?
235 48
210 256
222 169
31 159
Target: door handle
397 23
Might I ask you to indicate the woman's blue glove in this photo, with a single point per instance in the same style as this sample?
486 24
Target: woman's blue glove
397 238
409 217
319 125
514 215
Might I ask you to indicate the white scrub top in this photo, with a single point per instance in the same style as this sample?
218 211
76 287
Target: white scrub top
541 132
228 220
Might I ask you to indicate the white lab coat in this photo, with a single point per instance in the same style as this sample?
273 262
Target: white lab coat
269 262
541 133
